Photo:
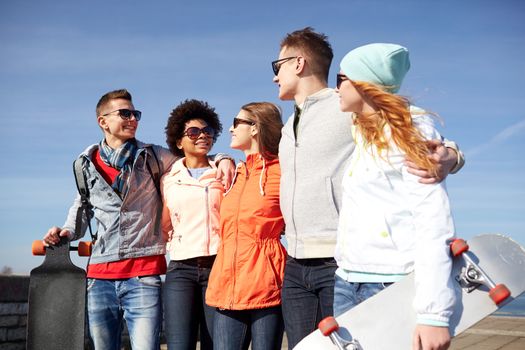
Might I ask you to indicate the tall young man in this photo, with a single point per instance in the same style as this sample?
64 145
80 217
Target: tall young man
129 253
316 142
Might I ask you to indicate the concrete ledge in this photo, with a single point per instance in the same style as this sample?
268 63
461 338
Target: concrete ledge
14 288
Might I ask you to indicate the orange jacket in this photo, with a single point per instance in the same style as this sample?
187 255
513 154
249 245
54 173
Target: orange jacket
249 268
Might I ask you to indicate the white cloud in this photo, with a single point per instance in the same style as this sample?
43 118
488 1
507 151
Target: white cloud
501 137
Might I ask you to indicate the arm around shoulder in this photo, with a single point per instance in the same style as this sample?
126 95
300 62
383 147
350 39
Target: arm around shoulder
460 157
164 157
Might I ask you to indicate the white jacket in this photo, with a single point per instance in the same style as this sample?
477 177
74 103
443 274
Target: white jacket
190 215
392 224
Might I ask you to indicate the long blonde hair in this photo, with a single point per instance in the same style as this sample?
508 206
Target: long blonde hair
392 111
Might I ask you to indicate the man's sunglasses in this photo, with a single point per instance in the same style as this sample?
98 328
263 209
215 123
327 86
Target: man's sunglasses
276 65
340 79
126 114
237 121
194 132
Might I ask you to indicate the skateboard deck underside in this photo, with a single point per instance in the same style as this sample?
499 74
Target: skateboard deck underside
387 320
56 315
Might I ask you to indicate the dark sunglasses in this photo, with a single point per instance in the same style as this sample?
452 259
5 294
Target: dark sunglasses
237 121
340 79
194 132
126 114
276 65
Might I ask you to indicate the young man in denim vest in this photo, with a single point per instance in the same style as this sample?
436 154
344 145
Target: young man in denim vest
129 253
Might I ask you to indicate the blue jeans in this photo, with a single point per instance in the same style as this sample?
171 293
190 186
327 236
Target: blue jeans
185 310
233 328
349 294
136 300
308 295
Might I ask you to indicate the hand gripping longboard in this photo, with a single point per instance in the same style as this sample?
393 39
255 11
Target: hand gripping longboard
57 298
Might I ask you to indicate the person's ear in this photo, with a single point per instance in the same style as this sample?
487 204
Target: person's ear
254 130
102 122
300 64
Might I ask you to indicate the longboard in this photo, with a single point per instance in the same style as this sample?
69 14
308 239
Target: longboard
57 299
488 274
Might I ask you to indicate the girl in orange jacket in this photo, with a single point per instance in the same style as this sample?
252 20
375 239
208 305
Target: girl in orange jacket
246 278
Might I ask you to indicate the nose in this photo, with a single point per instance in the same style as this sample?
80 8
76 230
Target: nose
231 129
132 118
275 79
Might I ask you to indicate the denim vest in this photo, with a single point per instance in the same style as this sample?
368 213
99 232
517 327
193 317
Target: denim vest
128 227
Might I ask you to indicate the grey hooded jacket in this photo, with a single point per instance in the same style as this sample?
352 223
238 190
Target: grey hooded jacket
311 175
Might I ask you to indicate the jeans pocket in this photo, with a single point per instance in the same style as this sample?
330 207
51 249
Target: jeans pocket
173 265
90 283
330 262
152 281
386 284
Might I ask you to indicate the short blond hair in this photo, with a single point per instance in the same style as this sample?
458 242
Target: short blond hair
112 95
315 47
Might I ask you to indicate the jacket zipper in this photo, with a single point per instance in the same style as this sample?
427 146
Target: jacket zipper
207 221
296 145
237 236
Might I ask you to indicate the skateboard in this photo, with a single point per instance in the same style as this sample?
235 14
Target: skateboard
57 298
488 272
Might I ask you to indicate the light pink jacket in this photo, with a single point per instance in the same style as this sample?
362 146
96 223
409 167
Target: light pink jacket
190 216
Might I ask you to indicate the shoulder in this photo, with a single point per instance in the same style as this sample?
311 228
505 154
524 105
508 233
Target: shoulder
176 168
87 154
159 150
273 169
424 122
89 150
162 154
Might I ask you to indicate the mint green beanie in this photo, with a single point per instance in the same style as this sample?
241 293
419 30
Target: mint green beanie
380 64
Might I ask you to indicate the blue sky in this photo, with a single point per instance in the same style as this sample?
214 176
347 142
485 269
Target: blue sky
58 57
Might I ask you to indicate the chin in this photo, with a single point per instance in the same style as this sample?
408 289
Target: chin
344 108
284 97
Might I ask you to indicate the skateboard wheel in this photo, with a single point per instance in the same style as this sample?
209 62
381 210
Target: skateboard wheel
328 325
84 248
458 247
38 248
499 293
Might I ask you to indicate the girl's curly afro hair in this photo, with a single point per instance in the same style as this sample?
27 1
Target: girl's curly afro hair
188 110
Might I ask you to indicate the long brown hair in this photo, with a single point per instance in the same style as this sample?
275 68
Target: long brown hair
267 117
392 111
